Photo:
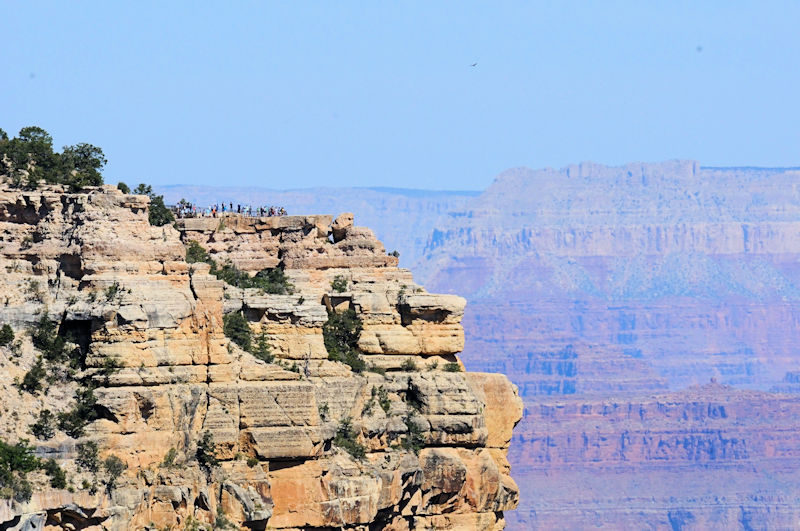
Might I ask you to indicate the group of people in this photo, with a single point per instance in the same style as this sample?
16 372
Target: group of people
185 209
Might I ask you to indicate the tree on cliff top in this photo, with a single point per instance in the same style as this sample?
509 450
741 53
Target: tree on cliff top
159 215
29 157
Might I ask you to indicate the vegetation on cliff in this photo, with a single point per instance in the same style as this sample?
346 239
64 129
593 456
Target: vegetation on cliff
16 461
271 280
29 158
346 439
340 334
158 213
237 329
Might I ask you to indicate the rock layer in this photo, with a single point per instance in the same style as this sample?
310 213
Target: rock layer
150 329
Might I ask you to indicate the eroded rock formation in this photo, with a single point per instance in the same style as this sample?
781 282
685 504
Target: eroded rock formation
149 328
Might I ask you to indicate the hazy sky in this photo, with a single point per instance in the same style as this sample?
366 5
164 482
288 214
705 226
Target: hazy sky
299 94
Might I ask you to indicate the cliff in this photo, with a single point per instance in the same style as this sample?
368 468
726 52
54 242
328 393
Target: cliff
708 457
207 432
594 287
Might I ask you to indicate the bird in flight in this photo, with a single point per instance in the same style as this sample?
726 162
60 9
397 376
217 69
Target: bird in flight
474 64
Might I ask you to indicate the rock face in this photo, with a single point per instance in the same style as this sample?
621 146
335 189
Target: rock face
709 457
599 286
149 327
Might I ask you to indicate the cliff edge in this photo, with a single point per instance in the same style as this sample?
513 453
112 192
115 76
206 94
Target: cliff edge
156 418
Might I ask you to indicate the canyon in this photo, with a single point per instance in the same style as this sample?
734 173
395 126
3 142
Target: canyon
615 297
164 421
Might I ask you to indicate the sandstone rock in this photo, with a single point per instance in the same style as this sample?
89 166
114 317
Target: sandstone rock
340 226
147 330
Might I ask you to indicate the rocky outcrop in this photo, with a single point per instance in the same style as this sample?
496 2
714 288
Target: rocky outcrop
149 329
598 286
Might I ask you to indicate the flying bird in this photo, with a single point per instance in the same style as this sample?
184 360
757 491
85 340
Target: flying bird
474 64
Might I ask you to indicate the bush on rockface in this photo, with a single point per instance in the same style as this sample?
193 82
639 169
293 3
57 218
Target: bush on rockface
340 334
6 335
74 420
452 367
346 439
158 214
270 280
87 457
261 349
196 253
45 426
114 467
15 463
414 440
339 284
207 452
236 329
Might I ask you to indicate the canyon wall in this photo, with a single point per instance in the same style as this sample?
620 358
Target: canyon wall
619 288
597 287
206 432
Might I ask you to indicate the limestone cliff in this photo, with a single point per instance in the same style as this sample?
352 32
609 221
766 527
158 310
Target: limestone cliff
148 327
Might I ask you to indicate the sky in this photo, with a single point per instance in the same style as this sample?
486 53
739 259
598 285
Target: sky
302 94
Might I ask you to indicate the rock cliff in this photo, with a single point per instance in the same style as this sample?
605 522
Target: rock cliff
594 287
208 433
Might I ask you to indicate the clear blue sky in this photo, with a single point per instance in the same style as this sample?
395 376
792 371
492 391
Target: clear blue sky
299 94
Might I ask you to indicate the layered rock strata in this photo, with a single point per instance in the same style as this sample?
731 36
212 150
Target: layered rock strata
709 457
150 329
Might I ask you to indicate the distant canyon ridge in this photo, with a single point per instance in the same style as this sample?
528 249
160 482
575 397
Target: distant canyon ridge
648 313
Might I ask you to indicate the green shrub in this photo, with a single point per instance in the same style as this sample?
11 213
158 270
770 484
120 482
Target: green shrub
262 350
112 291
159 214
45 426
221 521
58 478
206 452
273 281
114 467
409 365
196 253
169 458
124 188
339 284
87 457
237 330
346 439
232 276
55 348
414 440
378 370
383 400
252 462
452 367
340 334
109 367
6 335
32 381
74 421
15 463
